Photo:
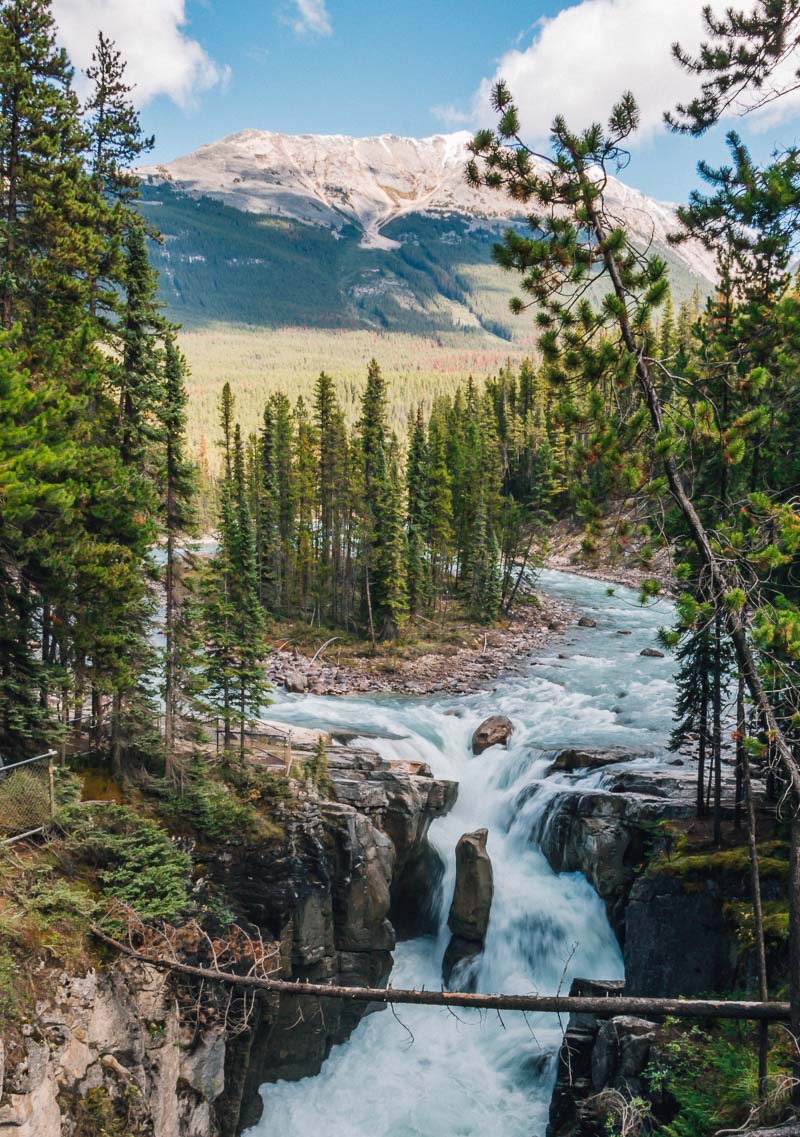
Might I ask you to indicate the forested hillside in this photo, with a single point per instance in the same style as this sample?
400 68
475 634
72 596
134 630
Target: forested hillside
222 265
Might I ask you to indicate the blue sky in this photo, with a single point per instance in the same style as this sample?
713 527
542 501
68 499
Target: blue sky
206 68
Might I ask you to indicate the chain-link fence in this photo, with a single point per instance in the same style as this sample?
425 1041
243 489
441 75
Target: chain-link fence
27 803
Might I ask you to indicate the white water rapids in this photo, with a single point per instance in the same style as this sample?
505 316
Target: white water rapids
471 1075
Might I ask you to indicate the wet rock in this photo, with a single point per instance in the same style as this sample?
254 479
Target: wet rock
458 957
790 1129
573 1087
606 836
677 939
651 653
472 898
587 622
472 901
494 731
296 682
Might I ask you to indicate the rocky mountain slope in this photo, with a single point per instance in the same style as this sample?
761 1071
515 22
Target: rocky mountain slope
333 181
334 231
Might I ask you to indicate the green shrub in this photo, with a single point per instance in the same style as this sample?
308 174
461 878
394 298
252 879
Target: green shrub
226 808
713 1076
96 1115
315 769
207 807
135 860
9 986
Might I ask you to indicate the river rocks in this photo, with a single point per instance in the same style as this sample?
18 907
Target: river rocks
472 901
587 622
494 731
651 653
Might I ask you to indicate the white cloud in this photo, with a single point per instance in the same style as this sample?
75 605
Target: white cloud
162 58
580 61
310 17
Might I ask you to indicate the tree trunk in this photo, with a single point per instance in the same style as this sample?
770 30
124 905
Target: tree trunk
758 919
117 770
170 584
741 730
717 729
702 746
794 950
368 597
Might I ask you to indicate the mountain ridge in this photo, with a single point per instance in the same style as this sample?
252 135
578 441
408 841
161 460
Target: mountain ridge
337 180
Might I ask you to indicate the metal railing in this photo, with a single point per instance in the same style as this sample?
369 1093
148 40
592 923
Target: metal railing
266 743
27 797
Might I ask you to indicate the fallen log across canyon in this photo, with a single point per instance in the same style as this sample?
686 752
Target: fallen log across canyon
603 1006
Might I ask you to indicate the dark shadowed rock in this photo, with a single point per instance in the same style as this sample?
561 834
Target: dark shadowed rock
574 759
494 731
651 653
587 622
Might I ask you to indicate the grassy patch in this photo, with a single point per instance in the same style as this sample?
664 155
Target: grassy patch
682 860
43 917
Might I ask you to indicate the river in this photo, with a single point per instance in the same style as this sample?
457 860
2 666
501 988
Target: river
429 1073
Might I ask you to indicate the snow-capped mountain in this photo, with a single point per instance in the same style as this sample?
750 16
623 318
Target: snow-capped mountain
336 182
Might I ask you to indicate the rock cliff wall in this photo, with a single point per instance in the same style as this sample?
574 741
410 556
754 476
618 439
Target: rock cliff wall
114 1042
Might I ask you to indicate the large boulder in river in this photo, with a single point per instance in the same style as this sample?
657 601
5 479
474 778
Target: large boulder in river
296 682
472 903
472 898
494 731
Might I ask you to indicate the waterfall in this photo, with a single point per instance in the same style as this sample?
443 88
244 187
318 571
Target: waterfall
425 1072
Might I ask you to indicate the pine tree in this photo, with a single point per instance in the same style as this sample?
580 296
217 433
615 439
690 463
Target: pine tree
418 521
492 591
249 684
740 63
48 212
233 618
140 372
178 521
305 469
116 141
390 553
227 407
